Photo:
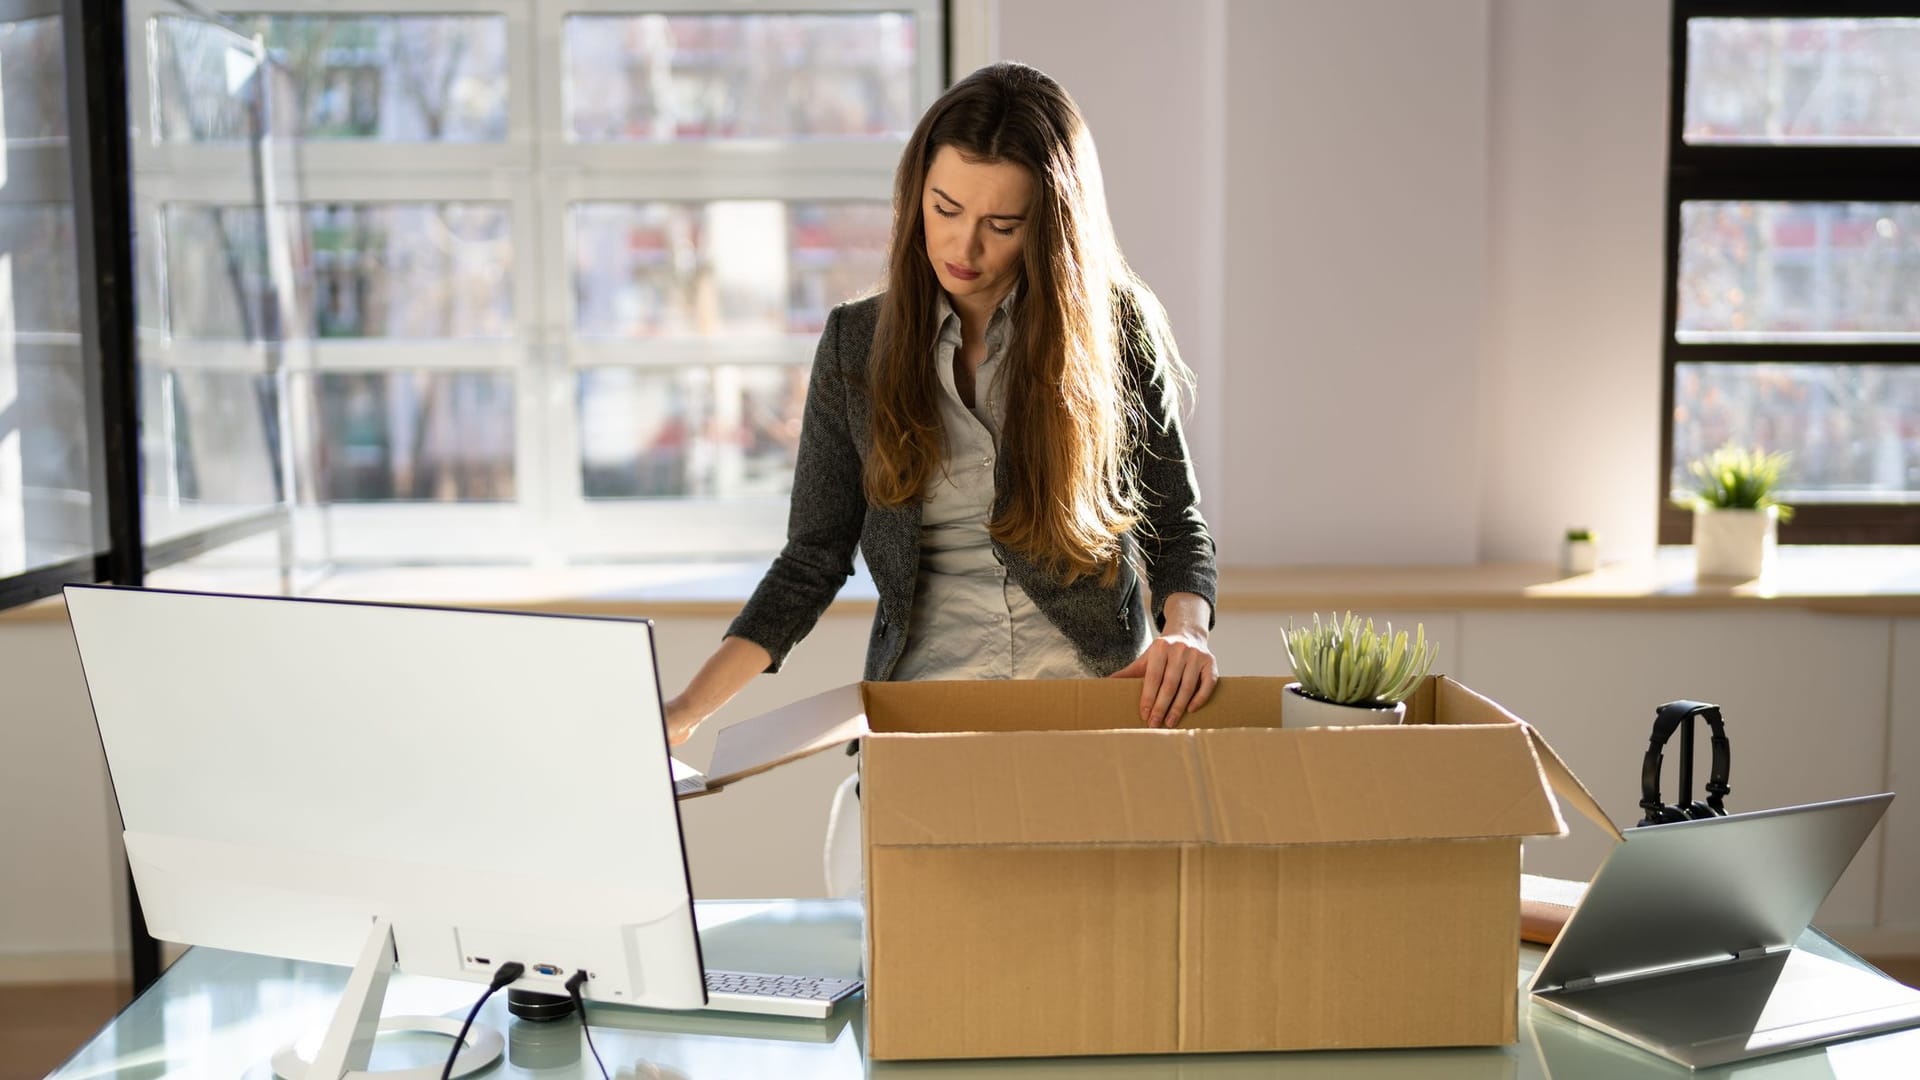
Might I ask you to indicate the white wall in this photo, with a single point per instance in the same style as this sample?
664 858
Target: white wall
1571 375
1356 205
57 822
1148 86
1421 238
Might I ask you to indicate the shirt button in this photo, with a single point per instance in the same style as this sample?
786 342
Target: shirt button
986 463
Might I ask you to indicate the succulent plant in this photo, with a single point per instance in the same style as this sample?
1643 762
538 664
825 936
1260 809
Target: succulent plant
1736 478
1347 663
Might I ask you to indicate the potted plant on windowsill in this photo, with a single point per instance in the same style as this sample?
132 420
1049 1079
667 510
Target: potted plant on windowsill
1579 554
1736 515
1345 673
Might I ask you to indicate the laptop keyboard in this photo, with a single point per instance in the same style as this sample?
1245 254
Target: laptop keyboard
776 995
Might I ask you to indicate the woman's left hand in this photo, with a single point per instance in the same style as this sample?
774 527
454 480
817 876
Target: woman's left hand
1177 671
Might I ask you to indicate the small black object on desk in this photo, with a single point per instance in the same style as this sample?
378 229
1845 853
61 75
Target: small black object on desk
533 1005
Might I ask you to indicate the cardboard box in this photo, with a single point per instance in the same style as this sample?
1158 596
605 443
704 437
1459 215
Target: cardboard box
1046 877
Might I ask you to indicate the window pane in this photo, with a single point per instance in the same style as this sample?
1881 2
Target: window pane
413 435
46 505
1853 431
46 497
726 431
33 81
721 268
363 270
1803 81
392 78
410 270
1779 271
216 280
222 427
203 87
43 288
662 78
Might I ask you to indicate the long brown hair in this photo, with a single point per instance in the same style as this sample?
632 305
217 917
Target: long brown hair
1073 417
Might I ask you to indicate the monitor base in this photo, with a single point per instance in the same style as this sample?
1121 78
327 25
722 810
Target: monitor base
347 1046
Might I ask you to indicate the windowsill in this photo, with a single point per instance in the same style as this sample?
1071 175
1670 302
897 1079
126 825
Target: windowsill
1883 579
1879 579
1859 579
654 589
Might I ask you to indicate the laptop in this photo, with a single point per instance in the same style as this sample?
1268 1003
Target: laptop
1684 942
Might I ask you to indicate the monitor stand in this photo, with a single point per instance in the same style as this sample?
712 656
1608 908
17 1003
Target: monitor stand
348 1043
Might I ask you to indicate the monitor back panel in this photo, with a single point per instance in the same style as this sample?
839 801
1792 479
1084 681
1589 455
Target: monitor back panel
286 769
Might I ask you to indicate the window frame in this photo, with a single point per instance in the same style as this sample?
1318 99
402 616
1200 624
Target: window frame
89 171
1786 174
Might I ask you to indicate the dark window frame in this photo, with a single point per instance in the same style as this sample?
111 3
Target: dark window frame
1818 173
94 41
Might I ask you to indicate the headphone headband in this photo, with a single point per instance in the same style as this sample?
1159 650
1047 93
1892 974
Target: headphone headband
1665 720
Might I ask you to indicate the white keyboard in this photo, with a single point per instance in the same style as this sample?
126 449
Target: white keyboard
776 995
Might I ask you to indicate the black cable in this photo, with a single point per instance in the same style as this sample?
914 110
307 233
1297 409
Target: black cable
506 973
580 1005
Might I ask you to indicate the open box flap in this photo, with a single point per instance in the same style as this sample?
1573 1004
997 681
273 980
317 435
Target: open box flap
788 733
1452 700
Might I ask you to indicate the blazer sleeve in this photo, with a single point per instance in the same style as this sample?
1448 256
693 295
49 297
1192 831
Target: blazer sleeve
1175 545
824 517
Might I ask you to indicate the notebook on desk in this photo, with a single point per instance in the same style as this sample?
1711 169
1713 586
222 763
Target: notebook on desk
1683 944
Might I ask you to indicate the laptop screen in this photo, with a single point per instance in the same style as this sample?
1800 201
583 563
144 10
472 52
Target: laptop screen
1672 895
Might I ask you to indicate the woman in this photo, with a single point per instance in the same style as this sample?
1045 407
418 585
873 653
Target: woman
998 432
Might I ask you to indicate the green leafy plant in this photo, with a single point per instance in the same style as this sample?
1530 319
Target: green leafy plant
1347 663
1579 534
1737 478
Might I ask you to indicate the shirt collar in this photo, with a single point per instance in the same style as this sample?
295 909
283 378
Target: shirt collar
943 307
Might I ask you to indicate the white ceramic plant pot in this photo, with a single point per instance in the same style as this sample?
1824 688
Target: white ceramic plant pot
1734 544
1579 557
1298 710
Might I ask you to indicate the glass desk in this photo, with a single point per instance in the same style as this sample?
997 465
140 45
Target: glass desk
222 1014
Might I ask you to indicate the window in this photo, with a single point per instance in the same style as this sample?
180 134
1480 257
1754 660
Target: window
1793 220
53 525
532 279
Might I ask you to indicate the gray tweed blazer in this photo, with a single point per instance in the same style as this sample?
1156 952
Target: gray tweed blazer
830 514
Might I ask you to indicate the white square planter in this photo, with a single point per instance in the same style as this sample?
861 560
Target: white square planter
1734 544
1579 557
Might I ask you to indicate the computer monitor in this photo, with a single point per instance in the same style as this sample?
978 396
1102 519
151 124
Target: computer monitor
432 790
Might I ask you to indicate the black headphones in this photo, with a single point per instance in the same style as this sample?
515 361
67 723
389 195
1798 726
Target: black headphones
1669 716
